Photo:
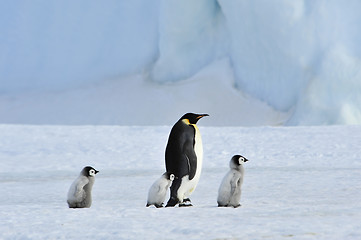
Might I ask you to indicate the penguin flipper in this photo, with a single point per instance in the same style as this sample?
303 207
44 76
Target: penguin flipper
235 182
78 194
191 158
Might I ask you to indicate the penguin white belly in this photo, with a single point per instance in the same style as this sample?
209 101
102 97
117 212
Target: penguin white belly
188 186
229 192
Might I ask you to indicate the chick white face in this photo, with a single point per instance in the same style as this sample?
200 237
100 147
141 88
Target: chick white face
237 161
92 172
171 177
242 160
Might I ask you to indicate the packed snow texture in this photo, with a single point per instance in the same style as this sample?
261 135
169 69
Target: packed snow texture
299 183
301 57
139 102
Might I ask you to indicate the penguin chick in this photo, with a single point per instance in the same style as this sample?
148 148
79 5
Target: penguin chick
79 194
229 193
158 190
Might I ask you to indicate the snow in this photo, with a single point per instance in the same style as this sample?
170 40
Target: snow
137 101
298 54
191 35
300 183
58 45
89 83
299 58
345 98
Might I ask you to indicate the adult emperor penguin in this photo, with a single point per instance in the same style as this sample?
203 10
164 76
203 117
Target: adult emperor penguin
159 189
79 195
229 193
183 158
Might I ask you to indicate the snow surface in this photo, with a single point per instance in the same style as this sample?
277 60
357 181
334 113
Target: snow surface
301 57
300 183
136 101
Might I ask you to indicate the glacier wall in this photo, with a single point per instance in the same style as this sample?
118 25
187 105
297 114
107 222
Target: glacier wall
302 56
191 35
51 44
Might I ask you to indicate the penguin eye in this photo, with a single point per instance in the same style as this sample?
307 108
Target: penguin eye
92 172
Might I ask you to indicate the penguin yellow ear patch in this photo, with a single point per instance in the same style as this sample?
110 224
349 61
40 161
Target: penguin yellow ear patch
186 121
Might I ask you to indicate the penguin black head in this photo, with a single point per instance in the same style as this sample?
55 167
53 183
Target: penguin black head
169 176
89 171
237 160
193 117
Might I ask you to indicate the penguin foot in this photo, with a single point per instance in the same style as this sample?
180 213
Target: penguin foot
172 202
186 203
156 205
228 205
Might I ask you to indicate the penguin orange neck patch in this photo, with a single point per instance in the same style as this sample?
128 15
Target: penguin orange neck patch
186 121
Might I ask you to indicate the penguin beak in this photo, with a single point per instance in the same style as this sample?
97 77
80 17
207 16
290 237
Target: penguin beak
202 115
246 160
96 171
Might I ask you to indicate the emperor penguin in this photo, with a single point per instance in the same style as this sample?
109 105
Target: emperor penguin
159 189
183 158
79 194
229 193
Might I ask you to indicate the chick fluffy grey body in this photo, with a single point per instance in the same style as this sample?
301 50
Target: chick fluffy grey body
80 192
